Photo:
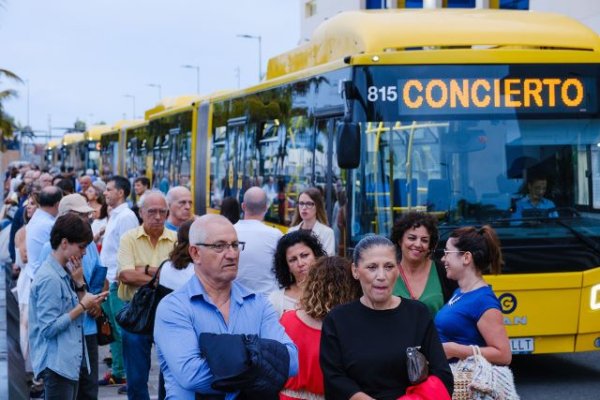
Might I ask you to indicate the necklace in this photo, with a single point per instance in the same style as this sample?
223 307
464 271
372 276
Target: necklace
459 295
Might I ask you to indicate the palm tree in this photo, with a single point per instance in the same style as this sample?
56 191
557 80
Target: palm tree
6 122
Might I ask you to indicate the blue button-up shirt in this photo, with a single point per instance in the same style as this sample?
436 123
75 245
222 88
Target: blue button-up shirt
93 272
38 233
186 313
56 342
526 204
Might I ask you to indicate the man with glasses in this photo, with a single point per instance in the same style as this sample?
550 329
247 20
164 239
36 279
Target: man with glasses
141 252
211 302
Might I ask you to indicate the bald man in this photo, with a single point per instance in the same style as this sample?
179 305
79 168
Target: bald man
255 270
179 199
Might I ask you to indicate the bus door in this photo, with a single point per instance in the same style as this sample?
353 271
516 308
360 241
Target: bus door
174 155
234 170
328 176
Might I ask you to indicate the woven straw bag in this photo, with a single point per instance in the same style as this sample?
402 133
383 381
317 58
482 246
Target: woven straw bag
476 379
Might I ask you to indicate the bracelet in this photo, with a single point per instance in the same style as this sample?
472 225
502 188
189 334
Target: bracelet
146 269
82 306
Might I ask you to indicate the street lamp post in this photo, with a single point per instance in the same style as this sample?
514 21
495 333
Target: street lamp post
132 97
259 38
197 68
159 87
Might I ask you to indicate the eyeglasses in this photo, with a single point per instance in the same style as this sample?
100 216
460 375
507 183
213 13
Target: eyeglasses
308 204
446 252
220 247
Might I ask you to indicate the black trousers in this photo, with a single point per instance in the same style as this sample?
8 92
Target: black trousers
88 382
57 387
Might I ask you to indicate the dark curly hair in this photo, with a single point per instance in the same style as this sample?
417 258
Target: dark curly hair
180 255
415 219
280 265
329 284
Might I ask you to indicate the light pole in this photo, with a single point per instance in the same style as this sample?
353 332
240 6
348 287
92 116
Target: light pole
159 87
132 97
259 51
197 68
237 75
27 81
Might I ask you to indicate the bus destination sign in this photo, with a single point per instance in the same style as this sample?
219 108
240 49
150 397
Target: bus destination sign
423 96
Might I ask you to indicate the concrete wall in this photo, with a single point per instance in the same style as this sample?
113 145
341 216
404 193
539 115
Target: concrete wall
586 11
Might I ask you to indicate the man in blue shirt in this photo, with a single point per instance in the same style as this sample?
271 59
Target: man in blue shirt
179 200
535 200
210 302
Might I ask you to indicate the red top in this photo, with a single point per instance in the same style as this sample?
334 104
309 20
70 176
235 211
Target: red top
308 342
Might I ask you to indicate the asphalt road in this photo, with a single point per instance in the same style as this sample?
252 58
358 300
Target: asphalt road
565 376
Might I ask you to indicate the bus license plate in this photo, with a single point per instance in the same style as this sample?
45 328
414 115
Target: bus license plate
521 345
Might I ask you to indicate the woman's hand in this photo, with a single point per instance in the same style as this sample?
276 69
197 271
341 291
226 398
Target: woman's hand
76 270
89 301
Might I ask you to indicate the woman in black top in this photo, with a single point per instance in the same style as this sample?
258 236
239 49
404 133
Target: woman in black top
363 343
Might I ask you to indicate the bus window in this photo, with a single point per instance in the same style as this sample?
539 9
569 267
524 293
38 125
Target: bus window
297 164
218 167
184 167
270 160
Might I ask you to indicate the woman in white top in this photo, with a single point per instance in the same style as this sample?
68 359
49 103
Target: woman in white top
179 268
294 256
310 216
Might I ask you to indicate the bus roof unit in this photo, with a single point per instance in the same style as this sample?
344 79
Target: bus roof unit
376 32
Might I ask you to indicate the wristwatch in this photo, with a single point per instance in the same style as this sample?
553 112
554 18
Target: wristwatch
146 269
81 288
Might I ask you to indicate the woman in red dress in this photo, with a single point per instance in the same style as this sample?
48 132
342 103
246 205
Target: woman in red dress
329 284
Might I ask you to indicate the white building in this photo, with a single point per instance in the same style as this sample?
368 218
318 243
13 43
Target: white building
313 12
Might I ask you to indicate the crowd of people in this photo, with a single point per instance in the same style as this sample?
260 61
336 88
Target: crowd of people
252 312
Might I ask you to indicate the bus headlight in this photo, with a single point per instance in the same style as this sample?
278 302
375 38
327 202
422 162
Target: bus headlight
595 297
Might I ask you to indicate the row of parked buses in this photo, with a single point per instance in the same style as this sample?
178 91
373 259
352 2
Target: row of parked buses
444 111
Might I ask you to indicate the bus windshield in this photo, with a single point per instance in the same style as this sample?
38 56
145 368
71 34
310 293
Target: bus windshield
527 163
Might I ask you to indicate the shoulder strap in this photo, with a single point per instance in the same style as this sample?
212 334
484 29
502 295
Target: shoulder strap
157 273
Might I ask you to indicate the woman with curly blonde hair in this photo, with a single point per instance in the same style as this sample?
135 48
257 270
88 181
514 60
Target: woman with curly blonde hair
329 284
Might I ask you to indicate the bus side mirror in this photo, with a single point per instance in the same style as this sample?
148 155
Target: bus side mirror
348 145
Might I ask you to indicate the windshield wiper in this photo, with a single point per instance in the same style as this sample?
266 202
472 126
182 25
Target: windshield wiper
589 242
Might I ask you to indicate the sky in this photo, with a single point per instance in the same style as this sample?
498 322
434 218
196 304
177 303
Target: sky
81 58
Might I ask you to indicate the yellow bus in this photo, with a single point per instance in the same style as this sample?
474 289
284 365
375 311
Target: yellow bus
52 153
91 147
167 142
73 151
112 140
445 111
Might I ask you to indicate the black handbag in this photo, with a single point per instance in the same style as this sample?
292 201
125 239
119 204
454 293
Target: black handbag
417 365
105 331
138 315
